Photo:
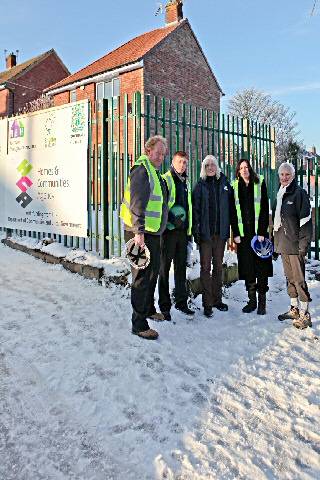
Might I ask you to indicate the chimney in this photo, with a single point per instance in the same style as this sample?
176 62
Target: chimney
174 11
313 150
11 60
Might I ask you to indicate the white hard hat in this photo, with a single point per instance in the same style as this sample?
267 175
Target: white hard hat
139 257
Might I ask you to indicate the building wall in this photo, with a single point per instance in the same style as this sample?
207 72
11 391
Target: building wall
45 73
5 103
176 69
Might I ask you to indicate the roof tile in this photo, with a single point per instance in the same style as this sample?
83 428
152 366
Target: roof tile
130 52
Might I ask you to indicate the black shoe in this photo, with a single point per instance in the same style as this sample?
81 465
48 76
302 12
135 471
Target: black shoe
262 310
292 314
185 309
167 316
250 307
208 312
223 307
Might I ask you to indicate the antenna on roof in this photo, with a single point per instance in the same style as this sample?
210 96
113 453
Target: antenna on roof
159 10
313 8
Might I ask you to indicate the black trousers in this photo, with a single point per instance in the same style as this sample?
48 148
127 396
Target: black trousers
144 283
173 248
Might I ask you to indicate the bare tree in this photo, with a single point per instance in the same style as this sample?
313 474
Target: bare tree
40 103
261 107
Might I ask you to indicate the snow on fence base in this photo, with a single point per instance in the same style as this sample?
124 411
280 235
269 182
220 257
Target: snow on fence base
88 271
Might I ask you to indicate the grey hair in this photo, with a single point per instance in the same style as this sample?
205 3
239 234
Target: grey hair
152 141
288 167
206 160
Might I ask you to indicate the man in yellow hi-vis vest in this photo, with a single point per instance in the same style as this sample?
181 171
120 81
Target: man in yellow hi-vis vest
174 240
144 211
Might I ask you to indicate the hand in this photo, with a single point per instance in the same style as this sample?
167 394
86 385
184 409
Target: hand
139 239
302 253
275 256
260 238
237 240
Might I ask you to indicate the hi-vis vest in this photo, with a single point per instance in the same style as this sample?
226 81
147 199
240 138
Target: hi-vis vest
154 206
172 197
257 200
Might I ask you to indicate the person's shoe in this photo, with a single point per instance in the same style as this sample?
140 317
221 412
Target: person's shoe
304 321
185 309
292 314
149 334
208 312
223 307
157 316
262 300
250 307
166 316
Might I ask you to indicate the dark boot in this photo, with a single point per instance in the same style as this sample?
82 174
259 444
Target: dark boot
252 303
261 304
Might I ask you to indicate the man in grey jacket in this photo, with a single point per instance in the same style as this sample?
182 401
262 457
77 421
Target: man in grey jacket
144 211
292 236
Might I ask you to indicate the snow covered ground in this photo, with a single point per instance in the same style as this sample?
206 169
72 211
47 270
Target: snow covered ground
232 397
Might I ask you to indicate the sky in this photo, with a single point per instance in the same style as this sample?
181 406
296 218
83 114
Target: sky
272 46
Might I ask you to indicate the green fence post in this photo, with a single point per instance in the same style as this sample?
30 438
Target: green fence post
104 181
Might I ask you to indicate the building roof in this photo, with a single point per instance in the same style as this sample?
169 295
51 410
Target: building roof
14 72
126 54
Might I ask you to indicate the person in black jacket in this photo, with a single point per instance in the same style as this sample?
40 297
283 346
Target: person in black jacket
212 201
174 239
252 218
292 237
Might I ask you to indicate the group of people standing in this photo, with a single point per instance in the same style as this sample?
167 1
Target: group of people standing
161 213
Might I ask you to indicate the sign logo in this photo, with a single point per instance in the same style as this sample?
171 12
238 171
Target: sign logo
17 129
24 183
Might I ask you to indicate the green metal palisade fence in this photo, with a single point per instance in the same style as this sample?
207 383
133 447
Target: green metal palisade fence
197 131
118 129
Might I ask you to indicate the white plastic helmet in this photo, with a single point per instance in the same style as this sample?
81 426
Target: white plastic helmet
139 257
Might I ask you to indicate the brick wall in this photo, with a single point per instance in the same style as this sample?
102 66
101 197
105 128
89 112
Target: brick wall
61 98
176 69
42 75
5 103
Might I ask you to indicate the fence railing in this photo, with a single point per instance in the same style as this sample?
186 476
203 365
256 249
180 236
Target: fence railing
118 129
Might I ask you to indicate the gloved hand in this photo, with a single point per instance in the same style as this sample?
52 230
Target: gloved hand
178 222
275 256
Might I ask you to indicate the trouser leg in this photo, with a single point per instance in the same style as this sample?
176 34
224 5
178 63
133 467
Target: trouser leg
251 287
287 268
205 272
218 247
143 283
168 247
262 284
297 263
180 267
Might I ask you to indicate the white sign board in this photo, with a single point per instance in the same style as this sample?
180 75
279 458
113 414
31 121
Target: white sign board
46 171
3 155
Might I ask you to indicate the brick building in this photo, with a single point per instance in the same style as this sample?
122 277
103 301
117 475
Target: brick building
22 83
167 62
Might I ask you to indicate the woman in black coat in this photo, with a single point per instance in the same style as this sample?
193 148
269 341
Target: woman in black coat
251 217
212 197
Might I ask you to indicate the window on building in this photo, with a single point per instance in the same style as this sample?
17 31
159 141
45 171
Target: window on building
110 89
73 95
